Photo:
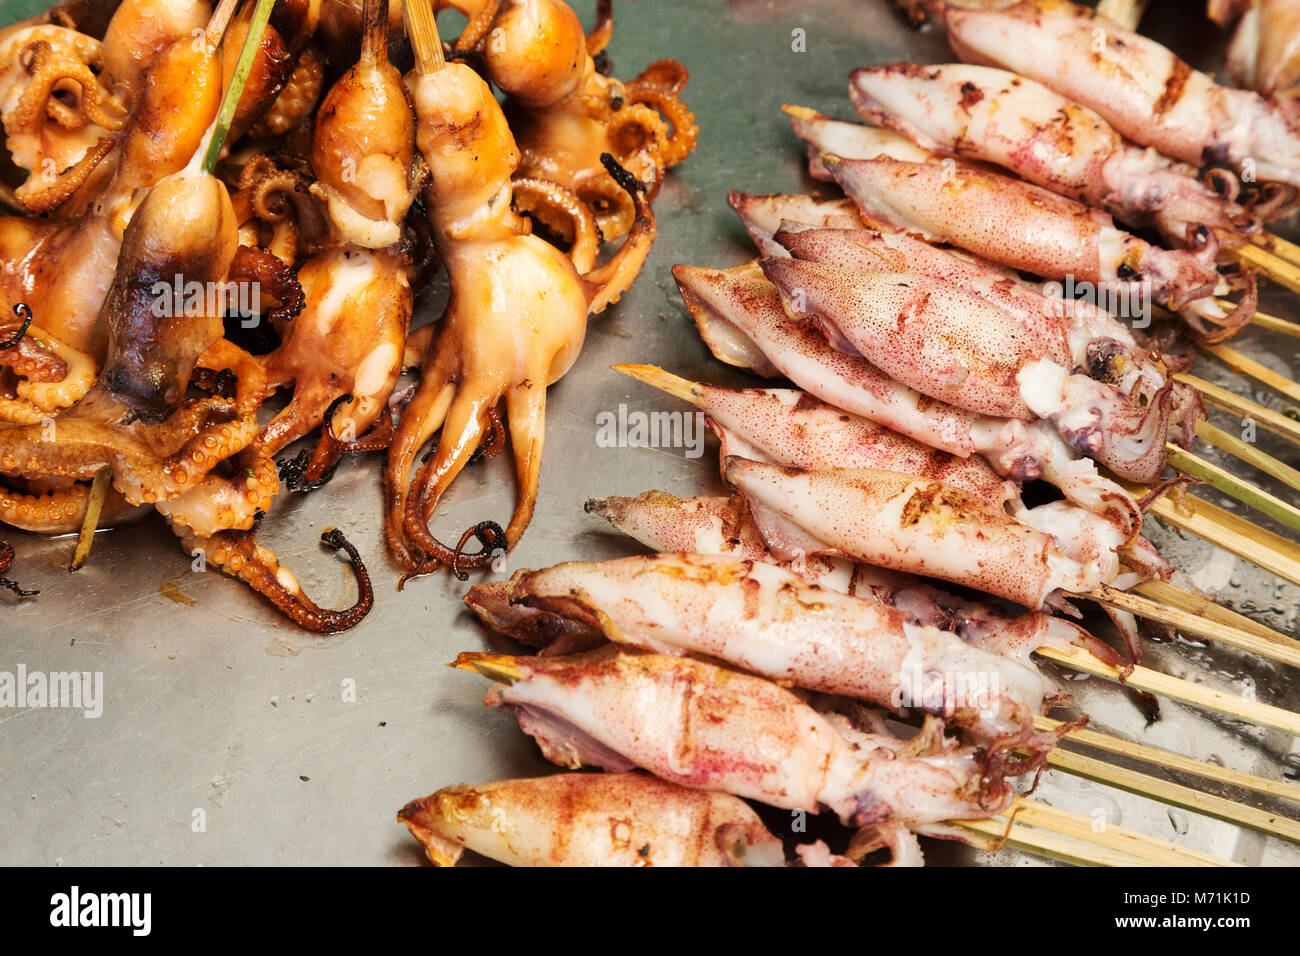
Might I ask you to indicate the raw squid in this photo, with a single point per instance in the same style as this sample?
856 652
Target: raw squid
1139 86
1027 227
705 727
983 113
748 308
597 819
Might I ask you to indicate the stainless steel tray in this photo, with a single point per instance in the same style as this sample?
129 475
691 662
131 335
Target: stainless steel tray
217 712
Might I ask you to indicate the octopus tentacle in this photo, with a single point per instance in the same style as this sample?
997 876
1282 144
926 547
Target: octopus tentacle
602 30
461 434
657 86
48 393
272 276
226 503
562 211
57 191
423 416
479 26
607 283
308 470
25 312
6 562
238 554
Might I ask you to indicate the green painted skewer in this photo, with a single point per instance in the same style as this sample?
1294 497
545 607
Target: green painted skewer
243 66
1229 484
1248 453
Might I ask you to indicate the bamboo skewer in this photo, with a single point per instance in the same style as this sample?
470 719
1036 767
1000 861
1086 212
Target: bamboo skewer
1150 850
1201 606
1169 760
1228 531
1279 648
1288 514
1283 249
1248 453
1175 688
1244 364
1174 794
1221 398
422 29
90 521
1284 273
992 834
1274 324
243 66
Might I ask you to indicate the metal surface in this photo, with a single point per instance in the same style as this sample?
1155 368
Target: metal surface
218 712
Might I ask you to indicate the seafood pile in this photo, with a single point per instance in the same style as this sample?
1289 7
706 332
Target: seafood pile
215 203
852 628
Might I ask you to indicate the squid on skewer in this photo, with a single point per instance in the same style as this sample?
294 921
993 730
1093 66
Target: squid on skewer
742 311
1024 226
708 728
987 114
905 523
513 326
955 347
773 622
723 526
1140 87
597 819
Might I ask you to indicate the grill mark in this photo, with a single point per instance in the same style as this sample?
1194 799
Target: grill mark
1175 86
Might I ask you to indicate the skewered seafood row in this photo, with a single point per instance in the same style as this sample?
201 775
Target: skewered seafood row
723 526
773 622
331 216
1020 225
742 318
706 727
986 114
1140 87
565 820
789 427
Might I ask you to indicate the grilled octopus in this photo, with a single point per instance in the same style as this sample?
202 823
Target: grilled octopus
513 326
565 113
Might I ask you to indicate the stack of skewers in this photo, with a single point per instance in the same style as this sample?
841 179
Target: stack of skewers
799 642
